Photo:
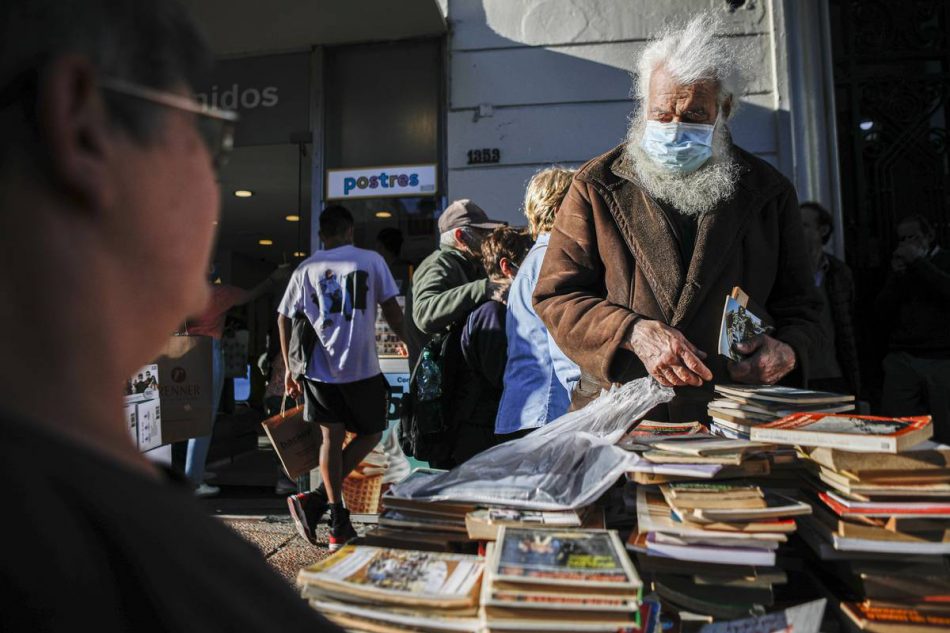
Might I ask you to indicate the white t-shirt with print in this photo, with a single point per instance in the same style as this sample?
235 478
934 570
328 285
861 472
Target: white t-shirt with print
338 290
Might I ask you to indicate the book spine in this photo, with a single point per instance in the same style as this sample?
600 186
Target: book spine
851 442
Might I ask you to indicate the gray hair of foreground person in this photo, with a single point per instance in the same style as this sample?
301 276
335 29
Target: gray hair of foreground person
151 43
112 198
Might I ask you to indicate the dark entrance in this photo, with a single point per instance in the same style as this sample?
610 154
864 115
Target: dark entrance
891 72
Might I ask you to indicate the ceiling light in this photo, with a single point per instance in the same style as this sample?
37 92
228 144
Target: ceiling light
243 193
299 254
292 218
265 242
383 214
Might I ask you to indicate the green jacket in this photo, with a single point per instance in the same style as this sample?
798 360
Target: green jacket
446 287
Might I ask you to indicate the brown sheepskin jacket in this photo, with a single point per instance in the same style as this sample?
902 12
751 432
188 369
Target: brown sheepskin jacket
613 259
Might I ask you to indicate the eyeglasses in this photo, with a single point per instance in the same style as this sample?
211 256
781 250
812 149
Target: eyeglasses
215 125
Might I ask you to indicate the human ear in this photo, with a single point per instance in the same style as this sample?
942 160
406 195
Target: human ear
74 128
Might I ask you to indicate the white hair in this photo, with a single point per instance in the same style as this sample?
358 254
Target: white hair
693 54
448 238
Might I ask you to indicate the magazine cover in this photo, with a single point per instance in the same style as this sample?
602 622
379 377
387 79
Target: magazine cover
398 576
594 557
647 433
142 408
738 325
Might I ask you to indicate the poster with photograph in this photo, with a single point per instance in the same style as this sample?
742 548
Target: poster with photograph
142 408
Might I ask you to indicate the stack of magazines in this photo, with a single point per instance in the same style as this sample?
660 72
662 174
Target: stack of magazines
737 409
373 589
881 521
563 580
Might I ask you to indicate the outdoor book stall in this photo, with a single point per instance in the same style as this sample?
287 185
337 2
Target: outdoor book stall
789 513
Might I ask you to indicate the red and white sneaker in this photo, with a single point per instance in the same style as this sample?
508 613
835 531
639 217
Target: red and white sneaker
306 509
341 530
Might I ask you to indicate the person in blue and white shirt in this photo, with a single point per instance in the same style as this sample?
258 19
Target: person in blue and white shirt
337 290
538 376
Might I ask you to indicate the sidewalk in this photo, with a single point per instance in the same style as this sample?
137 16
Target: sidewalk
278 540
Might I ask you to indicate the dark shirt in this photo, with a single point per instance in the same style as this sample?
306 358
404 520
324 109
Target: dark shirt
479 386
90 545
684 230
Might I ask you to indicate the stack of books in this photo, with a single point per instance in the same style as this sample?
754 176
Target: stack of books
366 588
739 408
881 520
562 580
433 526
711 546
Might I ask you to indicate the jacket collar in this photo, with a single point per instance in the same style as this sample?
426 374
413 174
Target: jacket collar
646 233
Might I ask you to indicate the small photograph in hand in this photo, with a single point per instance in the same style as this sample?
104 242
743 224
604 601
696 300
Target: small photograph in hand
738 325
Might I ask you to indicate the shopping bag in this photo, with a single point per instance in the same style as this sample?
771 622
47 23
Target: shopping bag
294 440
185 384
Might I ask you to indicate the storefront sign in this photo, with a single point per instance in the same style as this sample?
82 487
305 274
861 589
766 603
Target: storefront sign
381 182
270 92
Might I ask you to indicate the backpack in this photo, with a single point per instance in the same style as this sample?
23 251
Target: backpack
427 429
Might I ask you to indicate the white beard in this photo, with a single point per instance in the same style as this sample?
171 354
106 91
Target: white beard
694 193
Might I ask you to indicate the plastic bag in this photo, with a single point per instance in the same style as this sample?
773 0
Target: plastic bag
565 465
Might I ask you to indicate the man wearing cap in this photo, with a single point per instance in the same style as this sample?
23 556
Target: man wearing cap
450 282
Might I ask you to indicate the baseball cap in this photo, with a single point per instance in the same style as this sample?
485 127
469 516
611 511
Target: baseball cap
466 213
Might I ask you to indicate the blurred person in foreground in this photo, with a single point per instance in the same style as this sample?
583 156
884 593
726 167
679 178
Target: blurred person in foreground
107 182
915 306
485 348
655 233
835 366
538 376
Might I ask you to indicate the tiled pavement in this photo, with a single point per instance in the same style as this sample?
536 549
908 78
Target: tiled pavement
279 542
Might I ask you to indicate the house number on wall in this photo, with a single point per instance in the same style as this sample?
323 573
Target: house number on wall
478 156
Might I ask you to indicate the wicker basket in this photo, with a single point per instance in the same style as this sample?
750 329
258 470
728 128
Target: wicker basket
361 494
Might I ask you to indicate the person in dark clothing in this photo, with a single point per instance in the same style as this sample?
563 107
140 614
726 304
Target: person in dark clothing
915 301
485 348
107 179
835 366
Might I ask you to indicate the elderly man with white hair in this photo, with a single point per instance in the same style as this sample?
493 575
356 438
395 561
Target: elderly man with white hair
655 233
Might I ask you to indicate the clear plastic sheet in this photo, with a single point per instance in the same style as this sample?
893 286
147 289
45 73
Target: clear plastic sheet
565 465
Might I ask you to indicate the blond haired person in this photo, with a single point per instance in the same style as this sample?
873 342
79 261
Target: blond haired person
538 376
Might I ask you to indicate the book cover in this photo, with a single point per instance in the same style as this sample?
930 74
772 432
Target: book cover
738 326
767 394
570 557
861 433
397 576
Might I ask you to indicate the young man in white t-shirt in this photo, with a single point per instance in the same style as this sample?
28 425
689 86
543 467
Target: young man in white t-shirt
338 289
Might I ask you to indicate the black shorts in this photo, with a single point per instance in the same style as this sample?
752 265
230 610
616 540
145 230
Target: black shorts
361 406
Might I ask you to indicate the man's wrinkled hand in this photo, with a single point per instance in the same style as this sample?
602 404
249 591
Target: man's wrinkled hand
291 386
667 355
768 361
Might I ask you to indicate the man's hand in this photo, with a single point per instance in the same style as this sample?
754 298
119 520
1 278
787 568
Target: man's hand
291 386
671 359
499 287
768 362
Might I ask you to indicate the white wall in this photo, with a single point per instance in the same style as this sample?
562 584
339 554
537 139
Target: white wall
556 75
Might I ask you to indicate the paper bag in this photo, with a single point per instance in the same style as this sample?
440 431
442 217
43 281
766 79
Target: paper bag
185 384
294 441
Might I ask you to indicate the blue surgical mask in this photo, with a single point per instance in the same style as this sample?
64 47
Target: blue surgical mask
678 147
